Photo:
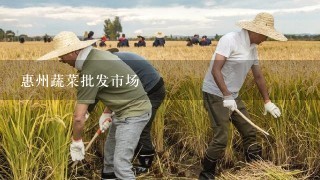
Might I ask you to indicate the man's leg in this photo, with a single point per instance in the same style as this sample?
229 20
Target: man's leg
145 149
252 149
219 116
109 147
127 137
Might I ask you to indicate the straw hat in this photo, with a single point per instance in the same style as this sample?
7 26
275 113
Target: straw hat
159 35
64 43
263 23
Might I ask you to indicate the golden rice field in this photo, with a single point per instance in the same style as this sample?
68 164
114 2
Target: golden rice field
35 123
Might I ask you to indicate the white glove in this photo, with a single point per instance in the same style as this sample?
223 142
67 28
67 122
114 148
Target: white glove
105 121
87 115
272 109
77 150
229 102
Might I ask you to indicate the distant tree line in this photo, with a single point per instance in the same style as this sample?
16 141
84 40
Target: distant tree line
303 37
177 38
10 36
216 38
296 37
112 29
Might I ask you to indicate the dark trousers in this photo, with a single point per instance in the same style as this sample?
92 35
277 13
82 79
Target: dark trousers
145 146
221 117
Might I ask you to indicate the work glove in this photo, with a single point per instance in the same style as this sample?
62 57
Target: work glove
229 102
87 115
272 109
105 121
77 150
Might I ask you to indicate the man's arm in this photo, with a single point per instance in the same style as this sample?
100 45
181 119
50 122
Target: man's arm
261 83
78 120
228 101
217 75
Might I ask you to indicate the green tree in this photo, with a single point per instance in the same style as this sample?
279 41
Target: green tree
117 26
109 29
113 33
112 28
1 34
106 27
217 37
10 35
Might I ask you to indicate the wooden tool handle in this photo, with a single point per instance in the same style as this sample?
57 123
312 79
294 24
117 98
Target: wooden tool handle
250 122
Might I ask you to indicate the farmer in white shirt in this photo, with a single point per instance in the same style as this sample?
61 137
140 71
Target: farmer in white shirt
235 55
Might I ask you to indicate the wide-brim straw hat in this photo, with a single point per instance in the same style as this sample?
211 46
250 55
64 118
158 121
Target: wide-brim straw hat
64 43
159 35
263 23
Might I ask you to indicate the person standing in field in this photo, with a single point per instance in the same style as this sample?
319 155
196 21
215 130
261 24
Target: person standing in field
130 104
153 84
123 41
89 36
159 41
141 42
235 55
195 39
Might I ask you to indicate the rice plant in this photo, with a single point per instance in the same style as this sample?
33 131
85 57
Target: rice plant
35 123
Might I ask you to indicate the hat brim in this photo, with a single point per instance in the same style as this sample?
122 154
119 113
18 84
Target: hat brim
66 50
270 32
159 35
